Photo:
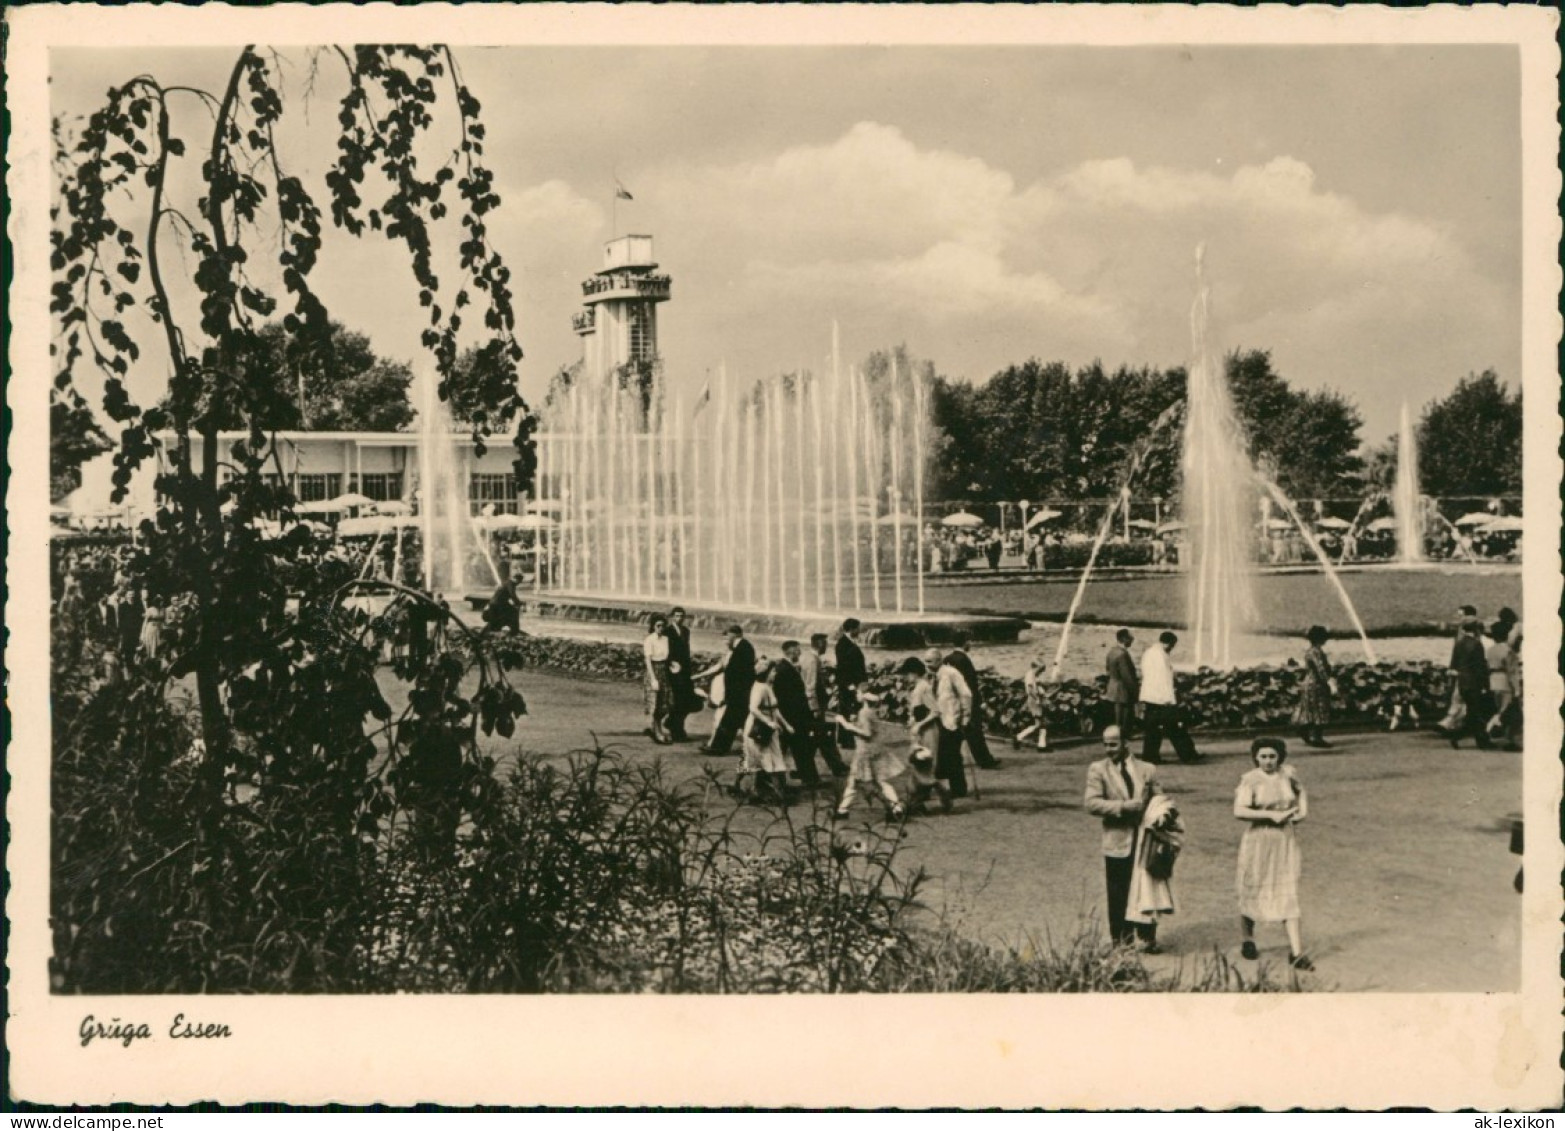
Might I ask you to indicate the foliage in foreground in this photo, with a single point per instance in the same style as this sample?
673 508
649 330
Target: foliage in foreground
590 873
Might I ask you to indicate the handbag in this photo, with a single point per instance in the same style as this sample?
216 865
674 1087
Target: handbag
761 733
1161 854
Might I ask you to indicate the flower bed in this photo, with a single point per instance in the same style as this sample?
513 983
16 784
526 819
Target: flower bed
1244 698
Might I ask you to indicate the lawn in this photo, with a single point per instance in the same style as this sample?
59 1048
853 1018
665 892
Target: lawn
1407 875
1388 600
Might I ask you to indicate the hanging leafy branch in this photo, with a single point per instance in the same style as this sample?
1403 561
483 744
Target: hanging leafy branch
285 676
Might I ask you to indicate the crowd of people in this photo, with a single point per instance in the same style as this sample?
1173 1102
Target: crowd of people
1486 698
94 590
810 707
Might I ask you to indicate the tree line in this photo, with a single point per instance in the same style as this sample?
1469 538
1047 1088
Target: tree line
1038 430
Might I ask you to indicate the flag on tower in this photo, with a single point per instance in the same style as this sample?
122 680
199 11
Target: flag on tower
620 192
706 395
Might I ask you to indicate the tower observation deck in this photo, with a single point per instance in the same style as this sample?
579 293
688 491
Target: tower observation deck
618 323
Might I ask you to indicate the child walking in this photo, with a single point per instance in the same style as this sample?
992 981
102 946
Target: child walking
873 765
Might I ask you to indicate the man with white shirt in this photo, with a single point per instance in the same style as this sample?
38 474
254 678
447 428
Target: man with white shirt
812 667
1160 709
954 705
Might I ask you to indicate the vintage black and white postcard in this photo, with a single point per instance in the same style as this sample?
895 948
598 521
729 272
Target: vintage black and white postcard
868 556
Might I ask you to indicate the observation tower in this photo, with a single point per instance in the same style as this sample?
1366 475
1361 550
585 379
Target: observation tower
618 324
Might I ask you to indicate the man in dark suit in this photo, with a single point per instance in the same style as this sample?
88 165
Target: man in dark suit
851 669
130 617
1124 685
1472 684
737 668
680 676
973 732
817 690
793 704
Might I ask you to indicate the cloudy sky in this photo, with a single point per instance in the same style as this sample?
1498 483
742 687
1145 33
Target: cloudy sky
1360 205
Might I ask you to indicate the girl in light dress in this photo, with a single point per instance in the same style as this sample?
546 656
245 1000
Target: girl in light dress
1032 685
1271 799
763 752
874 765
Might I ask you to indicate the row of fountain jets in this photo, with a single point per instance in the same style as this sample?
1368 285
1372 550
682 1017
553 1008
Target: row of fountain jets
805 495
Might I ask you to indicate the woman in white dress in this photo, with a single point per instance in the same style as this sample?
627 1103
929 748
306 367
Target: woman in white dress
1271 800
763 752
151 629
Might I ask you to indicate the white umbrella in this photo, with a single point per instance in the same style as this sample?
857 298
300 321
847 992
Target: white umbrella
1382 524
1040 517
373 524
1171 527
960 518
546 506
1503 524
516 521
393 506
1142 524
1278 524
1329 523
351 499
316 508
1476 518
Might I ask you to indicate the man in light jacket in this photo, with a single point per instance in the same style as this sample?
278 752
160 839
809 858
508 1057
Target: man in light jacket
1118 788
1160 708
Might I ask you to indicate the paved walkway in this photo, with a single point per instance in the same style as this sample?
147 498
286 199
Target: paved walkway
1407 873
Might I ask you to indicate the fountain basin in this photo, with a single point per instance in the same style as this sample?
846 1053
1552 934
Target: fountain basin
879 628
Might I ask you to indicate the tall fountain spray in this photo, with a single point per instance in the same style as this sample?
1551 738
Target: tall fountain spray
787 494
1405 500
1218 497
455 554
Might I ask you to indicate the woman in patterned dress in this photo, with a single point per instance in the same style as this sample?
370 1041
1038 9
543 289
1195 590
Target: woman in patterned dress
1271 800
1314 710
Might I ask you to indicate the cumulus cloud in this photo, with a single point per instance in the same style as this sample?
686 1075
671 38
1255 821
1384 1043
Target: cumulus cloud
949 253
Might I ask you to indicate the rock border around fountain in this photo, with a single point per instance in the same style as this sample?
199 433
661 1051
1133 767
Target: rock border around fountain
879 629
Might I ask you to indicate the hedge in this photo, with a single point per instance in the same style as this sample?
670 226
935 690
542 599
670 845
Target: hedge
1242 698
